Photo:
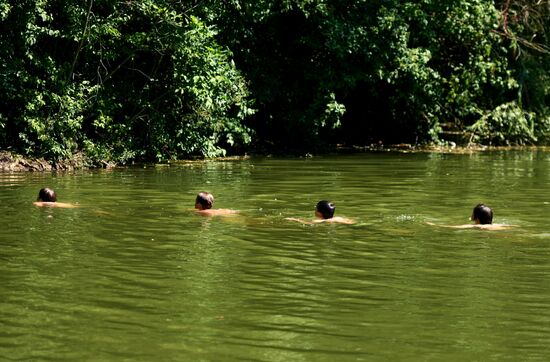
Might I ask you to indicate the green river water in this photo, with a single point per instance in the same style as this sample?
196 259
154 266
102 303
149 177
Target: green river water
133 274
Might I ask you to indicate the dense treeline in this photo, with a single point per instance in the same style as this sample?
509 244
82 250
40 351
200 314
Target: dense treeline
118 80
159 79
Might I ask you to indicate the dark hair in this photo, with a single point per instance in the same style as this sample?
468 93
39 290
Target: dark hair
483 213
47 195
205 199
325 208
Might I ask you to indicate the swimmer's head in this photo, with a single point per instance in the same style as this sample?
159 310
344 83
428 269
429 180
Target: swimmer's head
324 209
204 201
47 195
482 214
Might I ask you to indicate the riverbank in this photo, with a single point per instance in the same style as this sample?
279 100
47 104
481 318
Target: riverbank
11 162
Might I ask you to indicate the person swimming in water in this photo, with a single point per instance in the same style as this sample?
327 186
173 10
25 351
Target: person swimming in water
482 216
48 197
324 213
203 206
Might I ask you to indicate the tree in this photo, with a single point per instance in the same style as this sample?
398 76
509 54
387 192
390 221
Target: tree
118 80
384 70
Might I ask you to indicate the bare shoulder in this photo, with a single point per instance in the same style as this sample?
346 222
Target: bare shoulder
343 220
217 212
476 226
63 205
465 226
298 220
337 220
495 227
484 226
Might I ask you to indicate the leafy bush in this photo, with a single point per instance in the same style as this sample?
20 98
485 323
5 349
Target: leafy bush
155 79
118 80
508 124
398 68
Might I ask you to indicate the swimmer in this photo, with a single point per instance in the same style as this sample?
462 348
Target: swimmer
482 216
324 213
47 197
203 205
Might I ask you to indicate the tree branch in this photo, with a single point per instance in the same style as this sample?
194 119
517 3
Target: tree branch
81 43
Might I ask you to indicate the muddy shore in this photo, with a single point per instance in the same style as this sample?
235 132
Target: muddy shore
11 162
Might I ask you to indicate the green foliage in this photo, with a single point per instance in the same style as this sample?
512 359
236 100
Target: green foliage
399 68
524 25
508 124
118 80
160 79
210 84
